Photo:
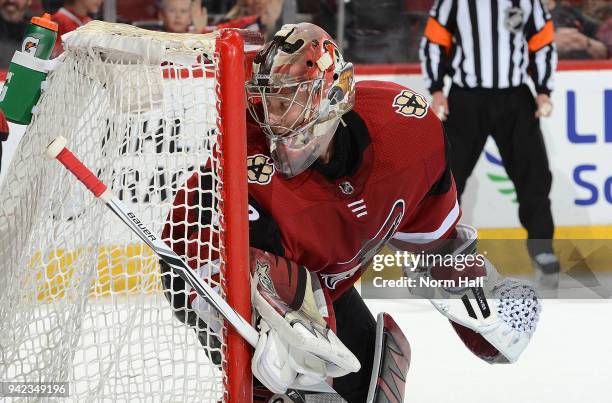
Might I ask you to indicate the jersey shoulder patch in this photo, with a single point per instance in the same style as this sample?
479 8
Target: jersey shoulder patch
389 103
410 104
260 169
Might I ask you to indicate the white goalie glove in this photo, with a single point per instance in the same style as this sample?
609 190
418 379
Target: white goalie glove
494 316
295 345
504 312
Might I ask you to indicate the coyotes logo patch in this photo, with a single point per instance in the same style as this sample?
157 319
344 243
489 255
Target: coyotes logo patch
409 103
263 273
259 169
369 248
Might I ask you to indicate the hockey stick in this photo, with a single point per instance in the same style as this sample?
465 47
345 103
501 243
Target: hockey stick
57 150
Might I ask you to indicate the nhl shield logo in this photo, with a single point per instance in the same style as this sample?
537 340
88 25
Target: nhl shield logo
346 187
409 103
513 20
259 169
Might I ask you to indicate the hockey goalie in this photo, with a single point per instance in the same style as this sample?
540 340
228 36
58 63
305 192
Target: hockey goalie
336 170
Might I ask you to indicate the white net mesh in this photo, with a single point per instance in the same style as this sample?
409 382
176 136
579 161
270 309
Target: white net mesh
82 300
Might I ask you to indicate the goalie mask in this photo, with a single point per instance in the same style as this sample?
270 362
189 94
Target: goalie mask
299 88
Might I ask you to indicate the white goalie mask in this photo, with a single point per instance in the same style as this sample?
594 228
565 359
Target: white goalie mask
299 88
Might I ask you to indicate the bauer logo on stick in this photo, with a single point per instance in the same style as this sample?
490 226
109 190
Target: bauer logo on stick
410 103
260 169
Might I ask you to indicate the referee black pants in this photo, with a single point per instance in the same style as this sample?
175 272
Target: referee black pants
509 116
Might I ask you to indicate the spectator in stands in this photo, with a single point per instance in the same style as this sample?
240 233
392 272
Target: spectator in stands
381 32
14 18
181 16
259 15
189 16
601 10
575 33
51 6
72 15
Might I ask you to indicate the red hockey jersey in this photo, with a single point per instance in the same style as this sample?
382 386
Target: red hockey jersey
400 187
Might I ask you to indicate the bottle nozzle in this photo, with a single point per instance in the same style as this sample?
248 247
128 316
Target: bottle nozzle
45 22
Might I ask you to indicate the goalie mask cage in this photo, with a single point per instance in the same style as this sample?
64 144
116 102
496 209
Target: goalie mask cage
83 301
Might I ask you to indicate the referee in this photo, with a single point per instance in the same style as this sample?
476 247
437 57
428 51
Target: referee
489 48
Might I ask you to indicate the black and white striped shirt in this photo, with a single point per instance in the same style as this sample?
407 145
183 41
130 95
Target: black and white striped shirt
489 44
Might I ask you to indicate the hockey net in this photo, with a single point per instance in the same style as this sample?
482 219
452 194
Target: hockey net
82 300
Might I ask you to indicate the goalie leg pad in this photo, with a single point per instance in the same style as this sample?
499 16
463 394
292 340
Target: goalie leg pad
391 362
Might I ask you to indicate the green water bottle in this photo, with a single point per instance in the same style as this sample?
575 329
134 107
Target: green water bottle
28 70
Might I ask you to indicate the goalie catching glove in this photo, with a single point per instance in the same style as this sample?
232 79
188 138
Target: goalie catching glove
495 318
504 313
296 345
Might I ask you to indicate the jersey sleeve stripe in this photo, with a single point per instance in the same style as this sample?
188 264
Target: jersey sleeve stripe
426 237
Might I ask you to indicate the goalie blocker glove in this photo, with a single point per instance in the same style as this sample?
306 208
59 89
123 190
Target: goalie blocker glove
296 345
392 356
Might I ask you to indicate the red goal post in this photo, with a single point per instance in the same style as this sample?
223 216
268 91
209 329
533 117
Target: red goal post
234 153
